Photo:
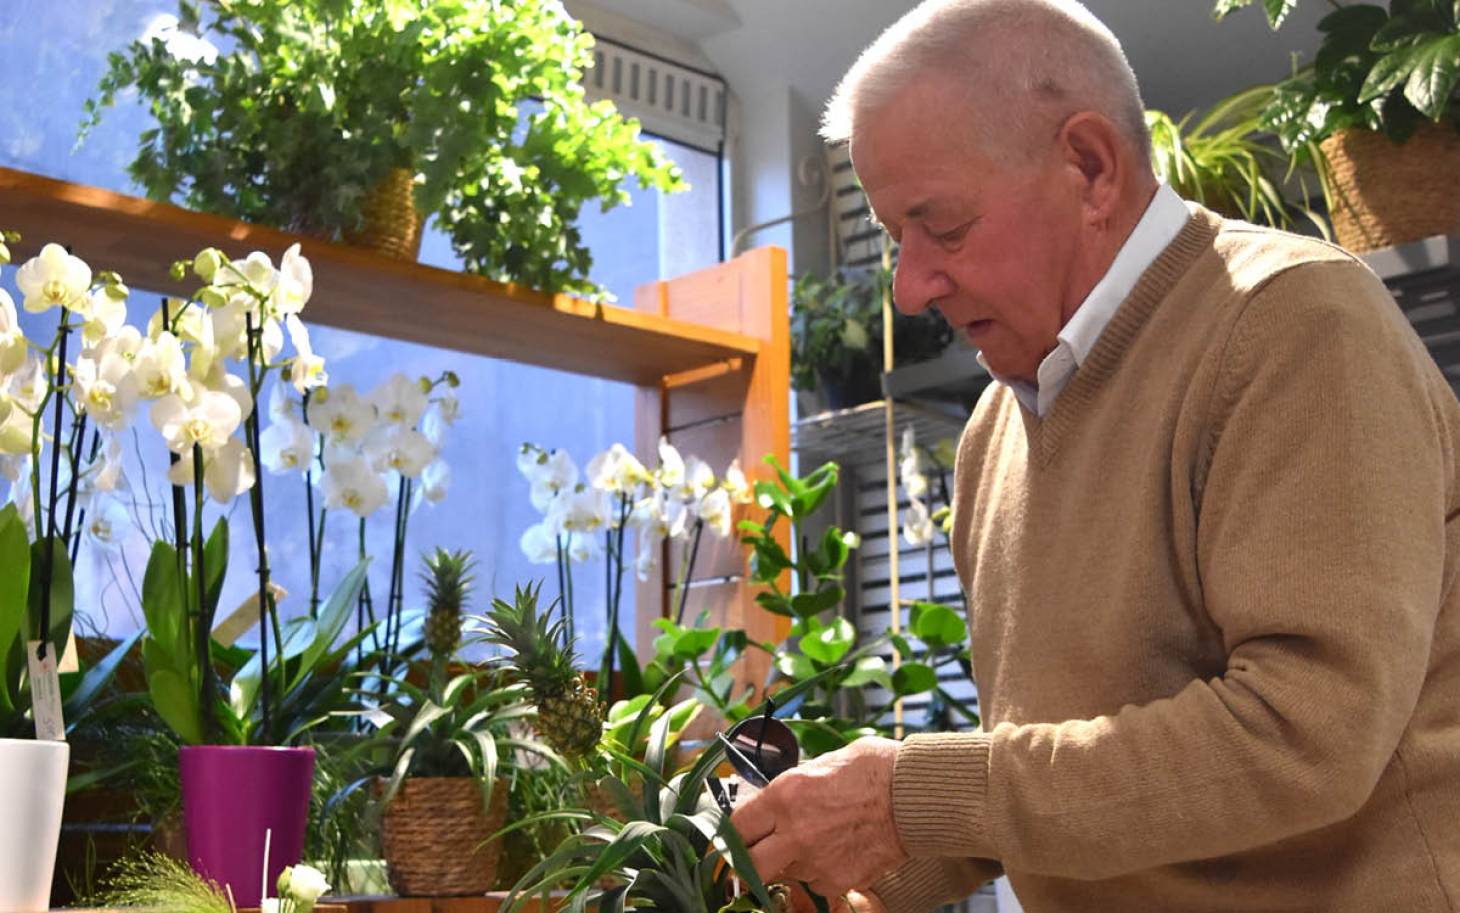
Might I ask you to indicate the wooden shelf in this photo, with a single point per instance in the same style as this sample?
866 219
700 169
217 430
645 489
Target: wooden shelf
359 290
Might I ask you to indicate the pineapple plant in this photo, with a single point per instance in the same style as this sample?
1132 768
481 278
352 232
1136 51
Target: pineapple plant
569 714
448 579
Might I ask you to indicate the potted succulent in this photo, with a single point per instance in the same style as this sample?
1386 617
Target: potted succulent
836 335
1378 113
320 114
447 743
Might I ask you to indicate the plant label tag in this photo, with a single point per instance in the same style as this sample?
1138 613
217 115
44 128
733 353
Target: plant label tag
238 622
45 693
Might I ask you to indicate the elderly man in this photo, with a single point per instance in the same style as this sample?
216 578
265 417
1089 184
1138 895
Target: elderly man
1206 522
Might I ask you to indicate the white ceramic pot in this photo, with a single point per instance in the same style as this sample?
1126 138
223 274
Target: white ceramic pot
32 793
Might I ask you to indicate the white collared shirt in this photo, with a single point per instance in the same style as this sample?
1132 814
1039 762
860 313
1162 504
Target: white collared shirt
1163 220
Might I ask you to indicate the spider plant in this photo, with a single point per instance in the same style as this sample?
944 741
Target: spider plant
1226 160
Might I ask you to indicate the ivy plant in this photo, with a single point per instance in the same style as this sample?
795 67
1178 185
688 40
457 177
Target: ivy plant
287 112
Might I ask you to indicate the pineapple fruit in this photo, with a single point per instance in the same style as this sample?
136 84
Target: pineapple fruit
569 715
448 579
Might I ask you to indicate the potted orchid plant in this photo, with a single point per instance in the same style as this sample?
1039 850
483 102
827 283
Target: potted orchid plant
59 458
673 505
242 783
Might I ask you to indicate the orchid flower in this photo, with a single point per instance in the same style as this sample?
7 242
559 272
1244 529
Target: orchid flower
352 485
540 543
102 390
306 369
227 471
107 523
736 484
209 421
53 279
403 450
399 401
12 341
287 445
342 414
717 512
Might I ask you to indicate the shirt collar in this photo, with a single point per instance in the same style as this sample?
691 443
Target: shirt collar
1159 225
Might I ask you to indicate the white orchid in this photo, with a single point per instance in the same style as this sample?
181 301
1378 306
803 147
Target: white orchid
287 445
107 314
435 482
352 485
255 271
13 466
281 407
399 401
107 523
181 318
741 491
403 450
12 342
448 407
582 549
295 283
540 543
109 475
582 513
15 430
910 466
306 369
208 421
616 470
699 478
671 465
917 524
660 517
555 472
103 391
159 368
29 385
54 279
227 471
717 512
342 414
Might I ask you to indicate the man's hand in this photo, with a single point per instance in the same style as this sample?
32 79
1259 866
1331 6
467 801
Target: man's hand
850 902
828 822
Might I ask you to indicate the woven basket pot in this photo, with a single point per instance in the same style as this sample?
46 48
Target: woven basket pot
1387 194
391 226
435 837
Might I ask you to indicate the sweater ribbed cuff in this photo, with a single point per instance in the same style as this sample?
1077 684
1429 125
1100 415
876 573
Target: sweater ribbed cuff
939 795
922 885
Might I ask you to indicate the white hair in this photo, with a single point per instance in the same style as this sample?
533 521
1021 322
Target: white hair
1034 62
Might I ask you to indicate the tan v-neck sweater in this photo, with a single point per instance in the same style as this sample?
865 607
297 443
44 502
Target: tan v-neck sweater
1215 628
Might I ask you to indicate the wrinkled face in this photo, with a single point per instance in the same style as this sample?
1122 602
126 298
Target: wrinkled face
992 246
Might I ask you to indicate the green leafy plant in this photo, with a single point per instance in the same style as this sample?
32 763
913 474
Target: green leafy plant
310 103
186 667
1227 160
670 845
836 333
1386 70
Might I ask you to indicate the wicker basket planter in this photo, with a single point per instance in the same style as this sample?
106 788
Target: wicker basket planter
1386 194
392 226
435 837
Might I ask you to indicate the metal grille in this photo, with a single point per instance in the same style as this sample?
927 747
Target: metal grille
669 99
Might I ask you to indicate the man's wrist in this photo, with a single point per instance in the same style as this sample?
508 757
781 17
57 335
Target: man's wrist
940 795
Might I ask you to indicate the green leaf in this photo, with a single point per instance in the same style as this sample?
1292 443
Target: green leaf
913 678
867 671
831 643
624 844
14 583
178 703
937 625
1435 68
795 666
163 602
62 594
335 614
1225 8
809 605
1391 70
732 848
97 678
1277 11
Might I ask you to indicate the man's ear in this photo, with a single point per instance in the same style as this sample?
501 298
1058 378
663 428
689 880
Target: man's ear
1099 156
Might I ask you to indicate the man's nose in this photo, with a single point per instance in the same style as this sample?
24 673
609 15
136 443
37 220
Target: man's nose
920 279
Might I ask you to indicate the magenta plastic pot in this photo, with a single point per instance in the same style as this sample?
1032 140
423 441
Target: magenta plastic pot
235 795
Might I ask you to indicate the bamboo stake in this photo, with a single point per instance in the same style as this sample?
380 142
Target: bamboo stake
890 437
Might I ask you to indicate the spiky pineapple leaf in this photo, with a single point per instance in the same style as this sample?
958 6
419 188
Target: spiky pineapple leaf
624 844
